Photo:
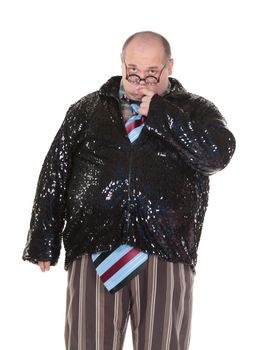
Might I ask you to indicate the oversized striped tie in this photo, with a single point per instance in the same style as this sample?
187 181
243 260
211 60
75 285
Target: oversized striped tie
117 267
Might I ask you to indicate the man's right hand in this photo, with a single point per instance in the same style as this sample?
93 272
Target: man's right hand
44 265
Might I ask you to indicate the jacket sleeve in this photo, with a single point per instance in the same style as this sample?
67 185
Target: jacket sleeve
47 217
201 138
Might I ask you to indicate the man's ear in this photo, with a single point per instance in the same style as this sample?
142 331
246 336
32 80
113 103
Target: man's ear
122 61
169 66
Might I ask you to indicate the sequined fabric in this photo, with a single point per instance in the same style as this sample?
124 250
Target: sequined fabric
97 190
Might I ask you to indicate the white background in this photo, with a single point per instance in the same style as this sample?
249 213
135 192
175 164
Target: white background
53 53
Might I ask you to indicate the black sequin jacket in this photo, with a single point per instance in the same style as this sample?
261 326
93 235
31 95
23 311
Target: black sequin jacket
98 190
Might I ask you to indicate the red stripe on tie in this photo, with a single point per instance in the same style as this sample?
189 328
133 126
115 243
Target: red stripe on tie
123 260
134 125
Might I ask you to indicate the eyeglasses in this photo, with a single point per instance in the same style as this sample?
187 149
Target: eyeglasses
149 80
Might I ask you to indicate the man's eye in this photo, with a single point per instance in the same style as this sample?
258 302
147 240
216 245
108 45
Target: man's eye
133 70
152 72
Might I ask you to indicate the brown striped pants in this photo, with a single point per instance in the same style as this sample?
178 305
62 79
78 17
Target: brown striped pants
158 300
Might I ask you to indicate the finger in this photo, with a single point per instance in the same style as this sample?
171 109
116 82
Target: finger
146 99
44 265
143 110
143 105
41 265
47 265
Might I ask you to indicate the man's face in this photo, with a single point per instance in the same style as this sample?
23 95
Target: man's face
145 58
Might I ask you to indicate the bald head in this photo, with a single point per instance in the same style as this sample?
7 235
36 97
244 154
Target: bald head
146 54
147 39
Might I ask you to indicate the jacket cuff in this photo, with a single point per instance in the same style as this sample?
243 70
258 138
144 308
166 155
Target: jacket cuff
46 248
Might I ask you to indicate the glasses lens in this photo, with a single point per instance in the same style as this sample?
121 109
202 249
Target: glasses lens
151 80
134 79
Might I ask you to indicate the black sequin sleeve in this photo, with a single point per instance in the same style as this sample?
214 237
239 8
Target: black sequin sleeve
47 217
199 135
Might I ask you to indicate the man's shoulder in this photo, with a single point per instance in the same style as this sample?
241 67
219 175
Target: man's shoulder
86 103
179 93
201 100
200 104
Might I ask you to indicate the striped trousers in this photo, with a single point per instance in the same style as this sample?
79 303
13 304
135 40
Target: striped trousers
158 301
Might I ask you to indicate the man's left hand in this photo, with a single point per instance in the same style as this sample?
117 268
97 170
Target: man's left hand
145 101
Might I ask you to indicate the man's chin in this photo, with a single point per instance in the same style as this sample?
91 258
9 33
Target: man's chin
136 96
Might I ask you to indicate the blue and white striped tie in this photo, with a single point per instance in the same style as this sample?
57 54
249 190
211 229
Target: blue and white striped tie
115 268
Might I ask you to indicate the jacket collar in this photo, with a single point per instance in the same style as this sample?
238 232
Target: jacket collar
112 86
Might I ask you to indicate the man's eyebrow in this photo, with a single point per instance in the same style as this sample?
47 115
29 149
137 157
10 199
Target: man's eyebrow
134 65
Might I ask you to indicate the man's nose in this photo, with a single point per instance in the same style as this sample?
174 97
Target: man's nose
142 82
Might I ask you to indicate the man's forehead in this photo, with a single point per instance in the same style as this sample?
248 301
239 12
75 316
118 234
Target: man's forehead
144 47
145 59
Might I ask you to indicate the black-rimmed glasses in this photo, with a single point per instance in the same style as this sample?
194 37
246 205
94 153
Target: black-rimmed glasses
149 80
